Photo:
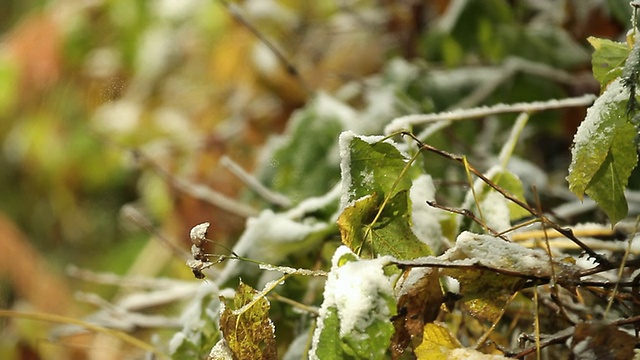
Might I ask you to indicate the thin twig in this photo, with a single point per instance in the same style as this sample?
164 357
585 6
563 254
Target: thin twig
566 232
252 183
469 214
198 191
290 68
408 121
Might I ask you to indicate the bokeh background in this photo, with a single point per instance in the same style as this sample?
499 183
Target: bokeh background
109 109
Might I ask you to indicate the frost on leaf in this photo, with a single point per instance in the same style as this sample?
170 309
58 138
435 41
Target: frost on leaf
503 265
200 332
604 152
369 165
249 334
299 165
354 317
372 171
390 234
608 59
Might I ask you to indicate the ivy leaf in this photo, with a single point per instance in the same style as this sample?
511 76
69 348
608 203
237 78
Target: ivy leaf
250 334
608 59
604 153
391 234
354 316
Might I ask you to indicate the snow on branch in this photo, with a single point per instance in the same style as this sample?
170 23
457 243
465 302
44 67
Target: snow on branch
405 122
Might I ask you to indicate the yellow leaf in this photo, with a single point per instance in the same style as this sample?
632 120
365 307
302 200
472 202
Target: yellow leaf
437 343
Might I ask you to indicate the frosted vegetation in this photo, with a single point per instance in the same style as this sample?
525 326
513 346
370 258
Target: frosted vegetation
415 210
410 258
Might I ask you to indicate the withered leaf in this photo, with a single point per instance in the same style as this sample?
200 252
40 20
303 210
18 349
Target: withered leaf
249 333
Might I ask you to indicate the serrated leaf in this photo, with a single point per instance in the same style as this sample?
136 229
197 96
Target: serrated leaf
250 334
604 153
593 140
354 316
608 59
372 167
608 184
391 234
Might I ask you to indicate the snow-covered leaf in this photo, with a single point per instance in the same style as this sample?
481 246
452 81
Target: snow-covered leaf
250 334
370 165
608 59
486 289
372 170
354 317
604 153
200 332
304 161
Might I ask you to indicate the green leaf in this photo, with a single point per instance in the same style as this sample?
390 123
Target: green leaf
604 153
594 137
329 343
371 171
510 182
608 184
391 234
200 332
302 163
372 166
608 59
354 320
249 333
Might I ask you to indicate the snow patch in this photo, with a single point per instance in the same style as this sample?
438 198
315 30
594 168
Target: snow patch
357 290
425 220
495 211
499 254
